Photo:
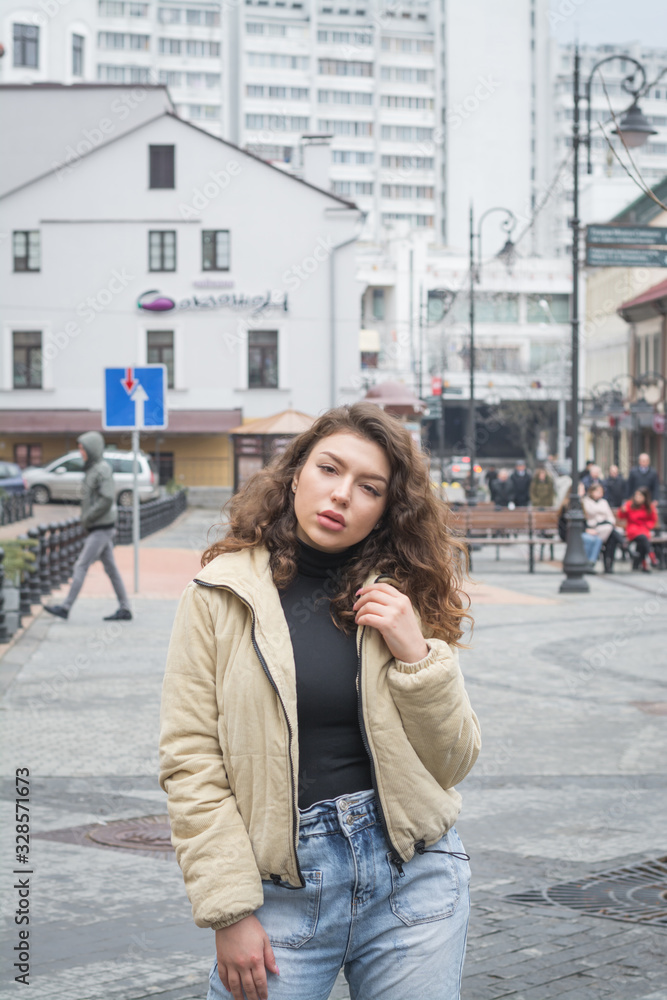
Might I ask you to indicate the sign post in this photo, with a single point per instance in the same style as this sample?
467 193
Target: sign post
135 399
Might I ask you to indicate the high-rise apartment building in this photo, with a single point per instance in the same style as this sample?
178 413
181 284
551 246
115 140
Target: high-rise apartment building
122 42
367 74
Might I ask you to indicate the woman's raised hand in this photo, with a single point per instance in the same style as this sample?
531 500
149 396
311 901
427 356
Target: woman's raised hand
244 953
389 611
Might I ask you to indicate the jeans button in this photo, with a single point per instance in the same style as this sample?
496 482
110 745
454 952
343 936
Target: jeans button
343 804
349 820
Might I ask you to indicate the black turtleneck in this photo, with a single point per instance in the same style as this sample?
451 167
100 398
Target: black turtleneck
332 757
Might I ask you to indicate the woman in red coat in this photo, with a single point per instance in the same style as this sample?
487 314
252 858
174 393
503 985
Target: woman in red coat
641 518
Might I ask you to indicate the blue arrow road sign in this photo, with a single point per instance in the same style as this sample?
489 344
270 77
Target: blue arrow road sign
135 398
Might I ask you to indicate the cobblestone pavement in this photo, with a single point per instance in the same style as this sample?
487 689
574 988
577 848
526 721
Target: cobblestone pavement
571 692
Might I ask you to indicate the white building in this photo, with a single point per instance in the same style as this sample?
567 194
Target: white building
255 270
120 42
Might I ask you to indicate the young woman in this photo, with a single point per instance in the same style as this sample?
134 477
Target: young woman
591 542
640 518
315 723
600 521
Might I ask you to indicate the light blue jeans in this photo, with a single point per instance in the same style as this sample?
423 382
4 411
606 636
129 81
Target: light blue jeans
592 546
395 937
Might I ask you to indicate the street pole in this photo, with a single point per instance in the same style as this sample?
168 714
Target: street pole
472 430
575 563
135 506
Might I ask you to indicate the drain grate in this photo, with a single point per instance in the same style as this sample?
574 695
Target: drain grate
637 894
144 834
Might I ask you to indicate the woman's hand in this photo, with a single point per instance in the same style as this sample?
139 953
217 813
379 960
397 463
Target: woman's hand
244 953
389 611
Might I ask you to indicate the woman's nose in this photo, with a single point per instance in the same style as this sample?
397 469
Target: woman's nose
341 491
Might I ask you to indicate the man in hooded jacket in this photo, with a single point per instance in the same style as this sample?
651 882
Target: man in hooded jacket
98 517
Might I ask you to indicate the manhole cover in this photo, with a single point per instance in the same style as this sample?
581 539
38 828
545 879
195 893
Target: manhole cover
148 833
144 834
637 894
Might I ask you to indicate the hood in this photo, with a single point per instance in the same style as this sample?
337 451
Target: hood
93 442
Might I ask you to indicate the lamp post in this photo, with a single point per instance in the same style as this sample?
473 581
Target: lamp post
634 129
507 254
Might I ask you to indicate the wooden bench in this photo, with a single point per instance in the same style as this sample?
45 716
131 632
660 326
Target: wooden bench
501 527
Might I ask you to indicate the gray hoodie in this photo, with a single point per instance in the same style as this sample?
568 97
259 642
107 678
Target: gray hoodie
98 505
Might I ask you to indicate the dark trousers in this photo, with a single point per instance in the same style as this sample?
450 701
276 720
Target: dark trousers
642 549
609 549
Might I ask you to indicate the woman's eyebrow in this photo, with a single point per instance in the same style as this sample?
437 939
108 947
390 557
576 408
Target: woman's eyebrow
366 475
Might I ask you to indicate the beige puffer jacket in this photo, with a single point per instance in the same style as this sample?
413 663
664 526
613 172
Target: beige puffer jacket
229 743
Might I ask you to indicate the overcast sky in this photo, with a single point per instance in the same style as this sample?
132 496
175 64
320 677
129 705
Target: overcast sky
610 21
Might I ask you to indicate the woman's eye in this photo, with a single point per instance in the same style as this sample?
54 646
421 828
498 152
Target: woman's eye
372 490
327 468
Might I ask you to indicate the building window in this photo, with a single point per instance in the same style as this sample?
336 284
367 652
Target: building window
27 359
160 351
263 359
162 173
27 250
378 303
27 455
554 308
77 55
162 250
215 250
26 45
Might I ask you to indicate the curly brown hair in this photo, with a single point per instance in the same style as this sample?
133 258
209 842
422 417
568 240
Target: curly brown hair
414 543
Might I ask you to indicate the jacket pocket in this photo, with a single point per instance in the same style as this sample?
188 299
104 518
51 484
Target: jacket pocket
289 916
432 884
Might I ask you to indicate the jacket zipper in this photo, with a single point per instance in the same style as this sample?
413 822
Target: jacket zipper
395 857
295 825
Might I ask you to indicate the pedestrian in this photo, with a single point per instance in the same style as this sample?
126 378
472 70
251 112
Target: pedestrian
324 629
592 544
490 476
600 521
615 487
592 477
521 484
643 477
98 517
640 517
502 490
542 490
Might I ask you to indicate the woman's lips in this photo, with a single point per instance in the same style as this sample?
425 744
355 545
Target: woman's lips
329 523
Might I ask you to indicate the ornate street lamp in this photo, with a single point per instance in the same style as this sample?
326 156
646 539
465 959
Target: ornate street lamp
508 256
635 130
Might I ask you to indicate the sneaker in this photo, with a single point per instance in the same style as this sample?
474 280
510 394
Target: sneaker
57 609
121 615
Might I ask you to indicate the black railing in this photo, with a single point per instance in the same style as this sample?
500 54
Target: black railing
55 548
153 516
15 506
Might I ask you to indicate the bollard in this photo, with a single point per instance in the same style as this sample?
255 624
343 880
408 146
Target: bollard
44 574
54 567
65 545
33 571
24 587
4 634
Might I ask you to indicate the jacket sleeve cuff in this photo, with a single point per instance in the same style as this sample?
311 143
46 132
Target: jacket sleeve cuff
218 925
413 668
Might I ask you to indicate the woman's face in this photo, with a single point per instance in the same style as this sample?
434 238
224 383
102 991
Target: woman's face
341 491
638 498
597 493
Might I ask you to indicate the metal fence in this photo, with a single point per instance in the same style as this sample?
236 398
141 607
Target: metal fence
56 548
153 516
15 506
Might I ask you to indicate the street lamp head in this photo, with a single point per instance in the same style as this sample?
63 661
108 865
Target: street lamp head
634 128
508 254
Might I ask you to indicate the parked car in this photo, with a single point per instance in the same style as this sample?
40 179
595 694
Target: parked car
458 470
11 478
62 479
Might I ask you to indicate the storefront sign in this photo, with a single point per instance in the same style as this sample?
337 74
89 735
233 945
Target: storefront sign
154 301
